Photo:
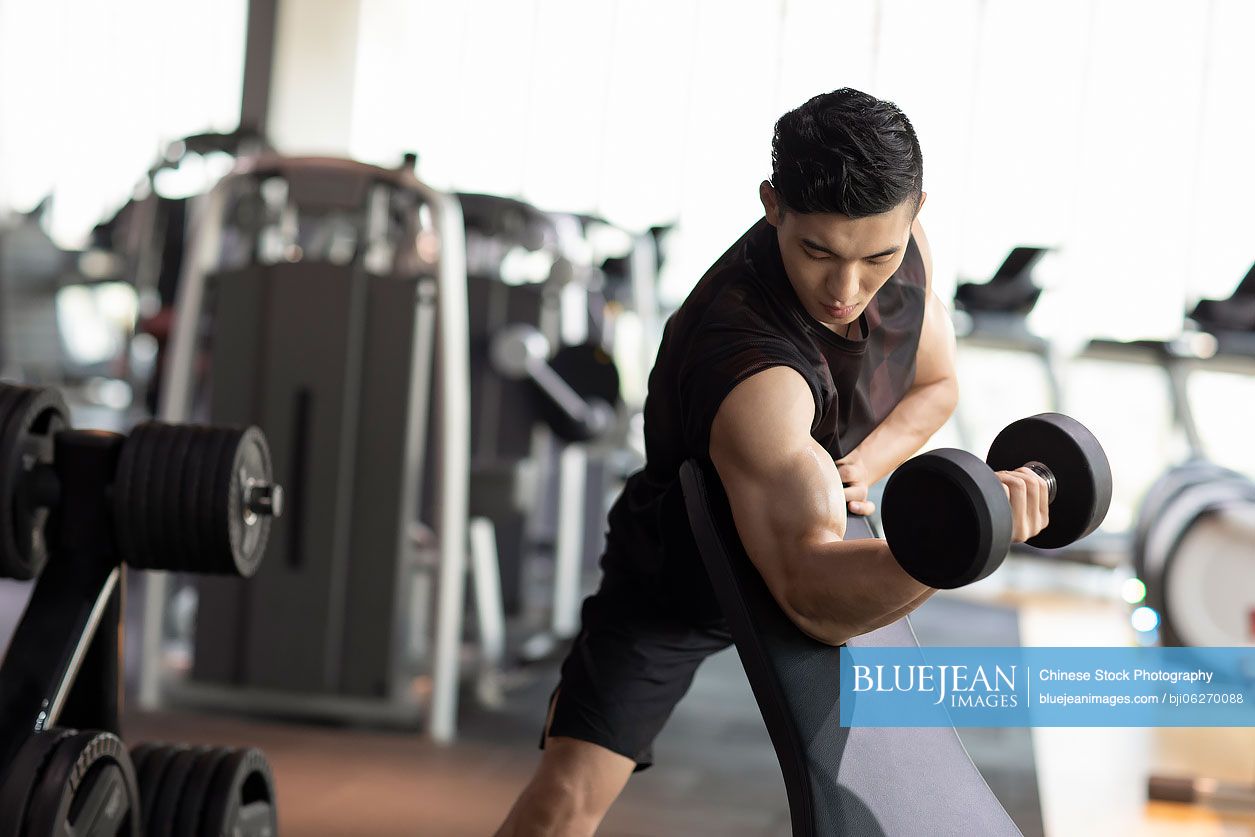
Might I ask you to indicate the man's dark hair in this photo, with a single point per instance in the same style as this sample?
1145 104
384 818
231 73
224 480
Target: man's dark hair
846 152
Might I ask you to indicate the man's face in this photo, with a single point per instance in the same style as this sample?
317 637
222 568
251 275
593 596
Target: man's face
836 264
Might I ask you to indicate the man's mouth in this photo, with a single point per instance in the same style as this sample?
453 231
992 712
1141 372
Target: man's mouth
839 313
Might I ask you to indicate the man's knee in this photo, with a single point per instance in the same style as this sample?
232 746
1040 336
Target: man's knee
555 805
571 792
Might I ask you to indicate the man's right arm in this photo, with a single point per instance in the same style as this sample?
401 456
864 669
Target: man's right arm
789 509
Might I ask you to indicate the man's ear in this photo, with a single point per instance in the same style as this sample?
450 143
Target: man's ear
923 196
771 202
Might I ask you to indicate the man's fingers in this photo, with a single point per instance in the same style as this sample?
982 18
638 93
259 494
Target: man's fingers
1038 499
1029 499
863 507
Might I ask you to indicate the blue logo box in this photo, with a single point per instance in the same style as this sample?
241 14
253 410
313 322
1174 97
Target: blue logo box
1047 687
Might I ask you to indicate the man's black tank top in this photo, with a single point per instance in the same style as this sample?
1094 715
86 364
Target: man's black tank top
741 318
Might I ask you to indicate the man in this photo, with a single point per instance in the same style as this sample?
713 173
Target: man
810 361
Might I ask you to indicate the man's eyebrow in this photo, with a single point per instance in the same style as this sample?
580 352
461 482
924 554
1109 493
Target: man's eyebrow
814 245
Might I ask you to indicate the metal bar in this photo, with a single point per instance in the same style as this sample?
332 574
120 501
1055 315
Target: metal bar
489 613
259 55
47 648
569 548
453 377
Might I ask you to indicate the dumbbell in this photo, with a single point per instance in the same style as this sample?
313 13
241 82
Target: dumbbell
186 498
579 385
946 514
189 498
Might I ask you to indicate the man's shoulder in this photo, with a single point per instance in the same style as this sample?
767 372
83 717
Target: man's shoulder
737 287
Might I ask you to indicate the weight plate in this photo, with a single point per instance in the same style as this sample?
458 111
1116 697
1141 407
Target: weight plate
192 800
946 518
248 531
161 820
194 471
31 418
241 798
1074 456
140 754
150 777
176 523
123 479
220 448
223 487
156 490
22 777
139 512
88 787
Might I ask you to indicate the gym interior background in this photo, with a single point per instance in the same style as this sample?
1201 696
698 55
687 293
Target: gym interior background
602 154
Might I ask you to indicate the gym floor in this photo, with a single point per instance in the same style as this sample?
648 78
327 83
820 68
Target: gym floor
716 773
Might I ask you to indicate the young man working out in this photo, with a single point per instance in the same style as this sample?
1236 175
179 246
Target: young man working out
810 361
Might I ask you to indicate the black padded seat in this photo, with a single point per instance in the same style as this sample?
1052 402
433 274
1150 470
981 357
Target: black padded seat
839 781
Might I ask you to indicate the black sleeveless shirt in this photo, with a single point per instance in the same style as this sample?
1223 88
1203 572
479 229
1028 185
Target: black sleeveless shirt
741 318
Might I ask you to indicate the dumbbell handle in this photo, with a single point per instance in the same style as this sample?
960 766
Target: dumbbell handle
262 499
1052 486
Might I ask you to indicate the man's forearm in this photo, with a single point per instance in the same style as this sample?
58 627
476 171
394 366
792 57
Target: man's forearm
920 414
842 589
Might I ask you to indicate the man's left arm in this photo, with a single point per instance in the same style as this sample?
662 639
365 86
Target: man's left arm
925 407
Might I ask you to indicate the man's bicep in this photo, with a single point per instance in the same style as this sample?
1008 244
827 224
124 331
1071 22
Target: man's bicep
782 486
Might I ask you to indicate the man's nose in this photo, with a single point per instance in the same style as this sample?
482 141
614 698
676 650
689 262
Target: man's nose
843 285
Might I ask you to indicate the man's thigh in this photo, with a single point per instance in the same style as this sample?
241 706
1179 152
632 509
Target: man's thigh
632 662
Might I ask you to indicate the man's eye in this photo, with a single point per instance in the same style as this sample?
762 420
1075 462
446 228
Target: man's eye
814 254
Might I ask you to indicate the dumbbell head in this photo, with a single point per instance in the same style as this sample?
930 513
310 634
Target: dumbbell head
195 499
946 518
1076 465
29 419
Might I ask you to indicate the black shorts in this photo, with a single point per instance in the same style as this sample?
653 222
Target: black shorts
634 658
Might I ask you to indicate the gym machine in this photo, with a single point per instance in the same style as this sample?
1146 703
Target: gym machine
1194 537
1196 523
76 506
540 330
325 300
